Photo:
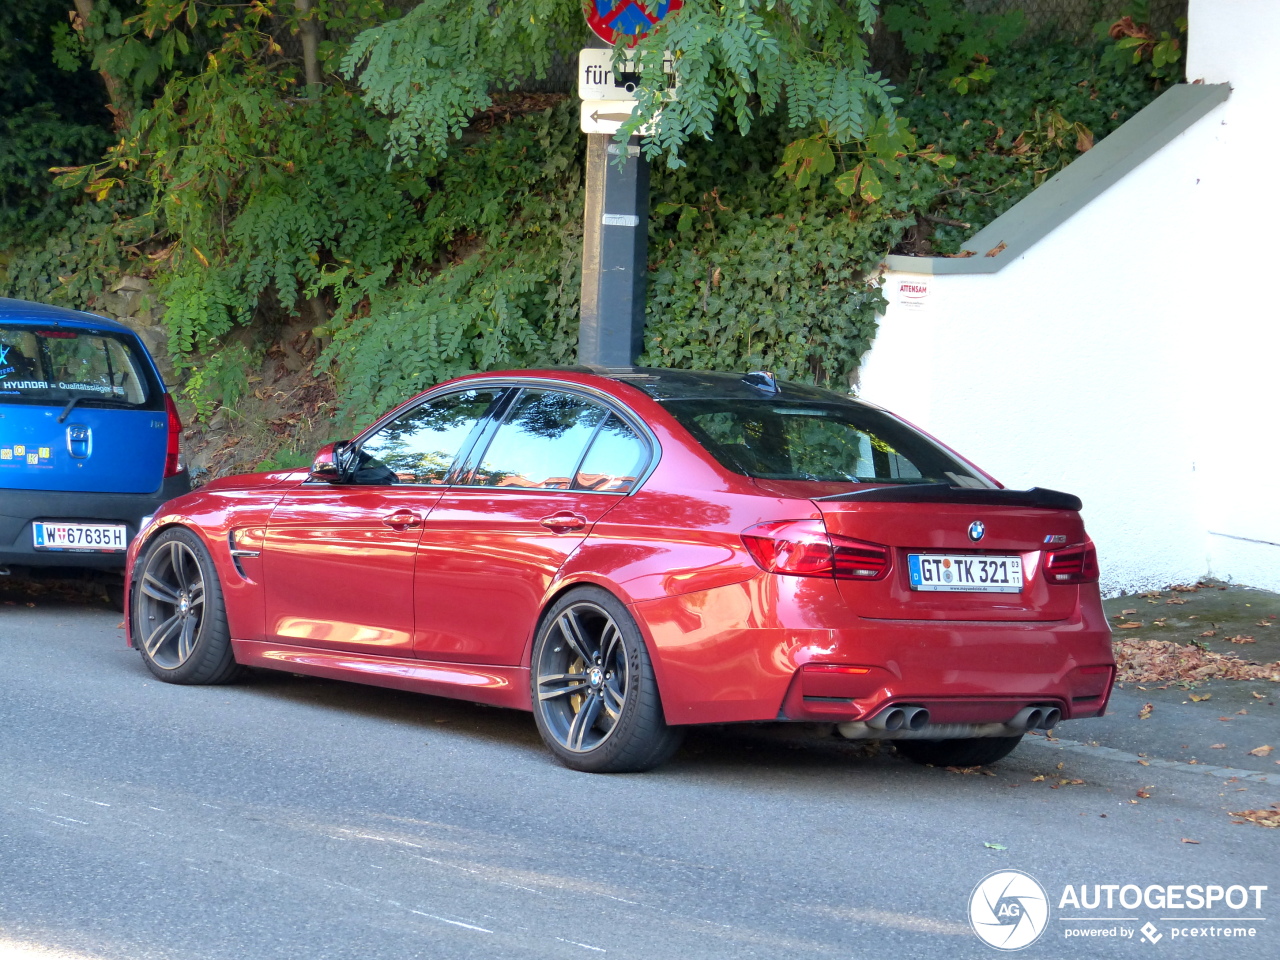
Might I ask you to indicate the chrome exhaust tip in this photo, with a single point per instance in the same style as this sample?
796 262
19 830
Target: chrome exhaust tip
891 719
1051 718
917 718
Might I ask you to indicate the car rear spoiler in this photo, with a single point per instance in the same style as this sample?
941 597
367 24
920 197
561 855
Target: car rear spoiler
946 493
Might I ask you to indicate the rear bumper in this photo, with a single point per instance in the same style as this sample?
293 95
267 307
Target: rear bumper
19 508
777 648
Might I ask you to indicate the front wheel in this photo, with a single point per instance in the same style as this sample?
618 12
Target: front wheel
970 752
179 619
595 699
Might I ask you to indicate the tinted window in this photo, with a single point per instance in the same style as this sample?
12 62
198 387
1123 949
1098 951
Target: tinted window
421 445
615 460
541 441
96 368
793 440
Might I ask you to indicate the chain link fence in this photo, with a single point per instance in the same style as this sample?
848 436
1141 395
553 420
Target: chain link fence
1077 17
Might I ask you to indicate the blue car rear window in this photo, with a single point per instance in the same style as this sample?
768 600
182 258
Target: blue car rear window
54 365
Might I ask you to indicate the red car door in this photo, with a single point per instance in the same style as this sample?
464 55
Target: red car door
338 557
494 542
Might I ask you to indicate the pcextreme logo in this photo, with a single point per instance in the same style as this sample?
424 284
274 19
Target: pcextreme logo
1008 910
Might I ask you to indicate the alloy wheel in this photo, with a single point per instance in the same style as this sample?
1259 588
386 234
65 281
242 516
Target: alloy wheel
583 678
171 606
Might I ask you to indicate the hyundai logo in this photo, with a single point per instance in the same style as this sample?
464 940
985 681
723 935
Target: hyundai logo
977 530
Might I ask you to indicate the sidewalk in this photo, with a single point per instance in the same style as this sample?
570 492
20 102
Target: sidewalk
1182 715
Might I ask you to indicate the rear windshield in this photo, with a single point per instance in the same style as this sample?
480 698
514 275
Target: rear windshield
798 440
95 368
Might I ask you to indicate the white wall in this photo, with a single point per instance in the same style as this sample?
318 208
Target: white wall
1131 357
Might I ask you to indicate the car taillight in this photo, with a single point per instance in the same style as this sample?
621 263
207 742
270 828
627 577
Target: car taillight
173 452
1078 564
803 548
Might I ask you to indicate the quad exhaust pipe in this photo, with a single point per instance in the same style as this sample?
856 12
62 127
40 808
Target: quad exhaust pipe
912 723
900 718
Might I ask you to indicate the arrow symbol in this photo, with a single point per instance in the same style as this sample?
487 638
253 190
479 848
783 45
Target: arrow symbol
616 117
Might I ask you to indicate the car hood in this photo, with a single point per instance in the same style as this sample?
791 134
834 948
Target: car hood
253 481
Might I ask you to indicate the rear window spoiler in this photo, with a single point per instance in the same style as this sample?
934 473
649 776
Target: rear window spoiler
946 493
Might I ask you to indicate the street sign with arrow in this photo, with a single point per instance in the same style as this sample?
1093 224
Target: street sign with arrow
606 116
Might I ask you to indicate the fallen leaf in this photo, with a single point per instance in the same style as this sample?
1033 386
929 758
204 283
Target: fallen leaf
1184 588
1186 840
1129 625
1263 623
1209 633
1037 778
1143 794
1257 695
1240 638
1175 600
998 249
1141 661
1263 818
1201 697
1217 746
1261 751
1145 712
1225 719
1125 613
1240 713
1145 763
995 846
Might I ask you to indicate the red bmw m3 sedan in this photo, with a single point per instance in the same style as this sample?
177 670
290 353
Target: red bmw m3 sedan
627 552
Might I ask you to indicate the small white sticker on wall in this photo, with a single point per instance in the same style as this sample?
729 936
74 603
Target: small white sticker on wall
620 220
913 292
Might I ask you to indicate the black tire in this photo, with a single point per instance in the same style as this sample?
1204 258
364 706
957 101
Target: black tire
179 618
611 720
971 752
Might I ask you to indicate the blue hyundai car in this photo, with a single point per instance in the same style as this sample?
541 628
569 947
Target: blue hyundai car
89 443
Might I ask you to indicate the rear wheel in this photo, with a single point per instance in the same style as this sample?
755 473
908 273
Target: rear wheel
179 619
970 752
595 699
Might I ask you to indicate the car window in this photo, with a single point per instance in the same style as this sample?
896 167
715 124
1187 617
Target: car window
53 366
540 442
420 445
615 461
791 440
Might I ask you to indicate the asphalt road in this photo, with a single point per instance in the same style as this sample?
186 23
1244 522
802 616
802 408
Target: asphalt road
299 818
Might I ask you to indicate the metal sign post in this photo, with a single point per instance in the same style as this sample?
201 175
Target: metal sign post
615 253
615 240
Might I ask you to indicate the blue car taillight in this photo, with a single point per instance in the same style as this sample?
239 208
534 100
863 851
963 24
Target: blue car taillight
173 452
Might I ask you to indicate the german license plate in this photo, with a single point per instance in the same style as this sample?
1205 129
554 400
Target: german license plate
965 574
88 537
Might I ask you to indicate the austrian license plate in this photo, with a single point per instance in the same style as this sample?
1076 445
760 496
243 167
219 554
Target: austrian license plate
89 537
965 574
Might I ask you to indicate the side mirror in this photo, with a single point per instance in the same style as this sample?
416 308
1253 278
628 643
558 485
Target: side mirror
327 466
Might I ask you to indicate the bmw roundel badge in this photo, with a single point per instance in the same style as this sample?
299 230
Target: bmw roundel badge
977 530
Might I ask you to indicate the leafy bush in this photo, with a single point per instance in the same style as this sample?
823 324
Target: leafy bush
247 196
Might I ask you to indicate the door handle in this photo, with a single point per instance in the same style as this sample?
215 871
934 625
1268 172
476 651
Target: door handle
563 522
402 519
